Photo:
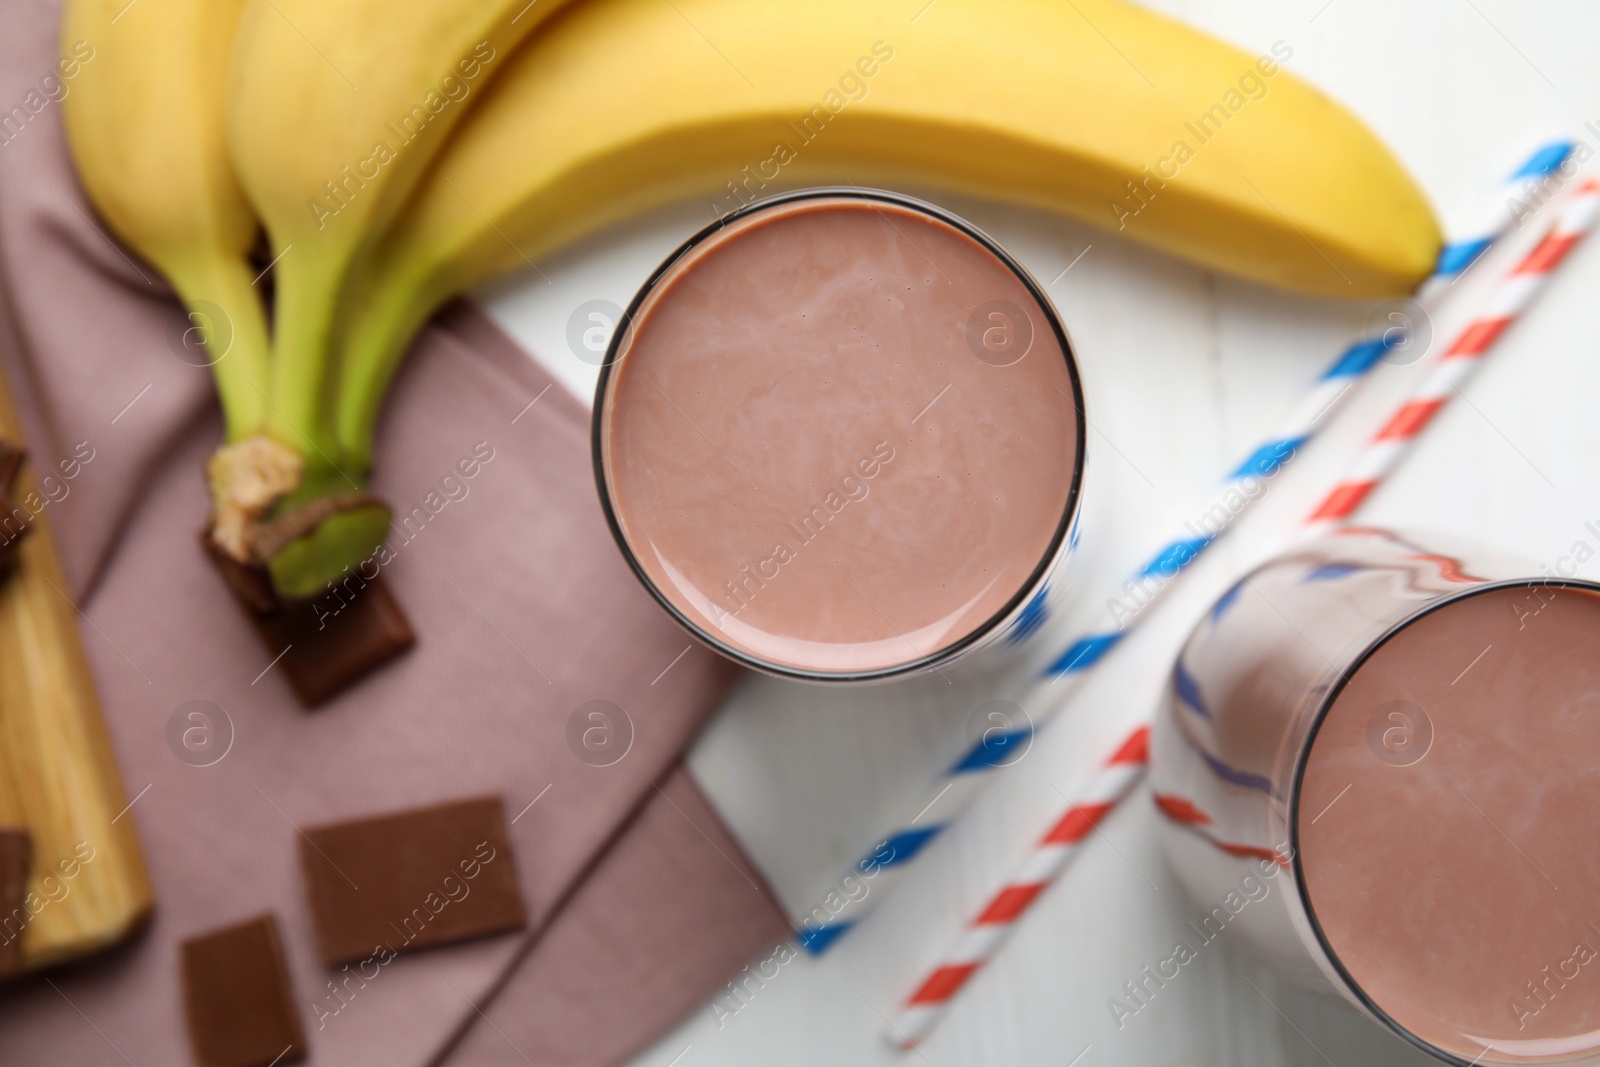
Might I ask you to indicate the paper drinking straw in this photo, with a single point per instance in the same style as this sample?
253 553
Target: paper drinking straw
1048 859
1050 856
1508 300
960 785
1082 654
1493 214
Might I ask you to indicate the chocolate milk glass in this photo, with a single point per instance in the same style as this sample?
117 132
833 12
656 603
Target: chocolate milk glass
1400 741
838 437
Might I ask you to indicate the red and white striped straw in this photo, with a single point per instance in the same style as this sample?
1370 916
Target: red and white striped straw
986 933
1049 858
1504 305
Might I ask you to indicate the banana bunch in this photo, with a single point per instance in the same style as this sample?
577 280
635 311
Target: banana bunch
144 122
399 156
202 120
1097 109
334 110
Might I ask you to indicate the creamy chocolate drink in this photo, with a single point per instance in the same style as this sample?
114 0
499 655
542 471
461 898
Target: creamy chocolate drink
1458 882
839 436
1379 769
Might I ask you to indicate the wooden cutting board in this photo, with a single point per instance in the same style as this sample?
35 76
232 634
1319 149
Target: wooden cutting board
86 887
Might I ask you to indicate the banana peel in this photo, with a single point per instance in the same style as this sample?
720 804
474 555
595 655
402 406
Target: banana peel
144 123
334 110
1096 109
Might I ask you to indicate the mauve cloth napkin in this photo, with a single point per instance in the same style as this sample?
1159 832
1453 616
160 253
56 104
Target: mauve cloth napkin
524 611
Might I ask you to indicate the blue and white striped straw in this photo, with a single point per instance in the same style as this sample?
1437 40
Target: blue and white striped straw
965 780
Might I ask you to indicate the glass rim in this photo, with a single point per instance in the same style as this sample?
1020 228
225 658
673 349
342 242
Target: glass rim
1058 540
1297 779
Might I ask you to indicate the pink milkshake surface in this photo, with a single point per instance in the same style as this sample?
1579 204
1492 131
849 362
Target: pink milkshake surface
840 436
1446 826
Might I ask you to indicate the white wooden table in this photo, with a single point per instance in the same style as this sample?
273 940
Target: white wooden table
1186 369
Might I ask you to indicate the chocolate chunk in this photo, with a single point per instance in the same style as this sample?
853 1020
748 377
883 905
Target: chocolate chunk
328 643
333 643
11 457
428 876
16 859
14 526
237 994
251 586
14 521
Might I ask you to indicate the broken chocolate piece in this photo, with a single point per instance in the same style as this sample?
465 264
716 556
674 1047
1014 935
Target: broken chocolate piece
326 644
14 526
16 860
428 876
250 585
11 458
237 994
326 649
14 521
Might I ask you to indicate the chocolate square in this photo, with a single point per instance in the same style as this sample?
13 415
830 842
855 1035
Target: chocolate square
326 644
237 995
394 883
14 524
328 651
11 457
16 860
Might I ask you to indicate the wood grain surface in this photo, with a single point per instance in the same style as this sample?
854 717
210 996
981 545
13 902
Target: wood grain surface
58 777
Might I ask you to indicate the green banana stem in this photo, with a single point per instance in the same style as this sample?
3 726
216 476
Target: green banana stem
225 309
330 409
378 333
299 417
299 412
250 470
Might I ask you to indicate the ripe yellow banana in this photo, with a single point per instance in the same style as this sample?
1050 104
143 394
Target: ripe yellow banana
333 111
1097 108
144 121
